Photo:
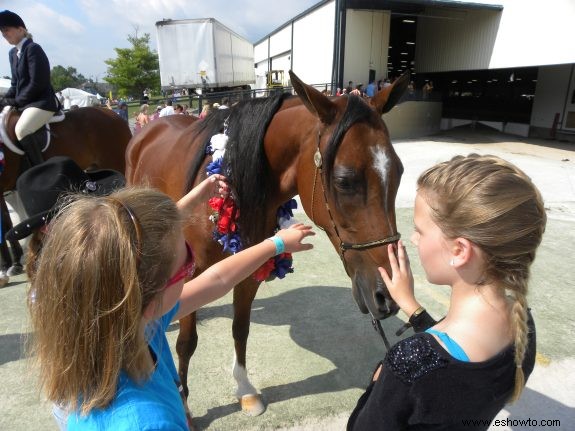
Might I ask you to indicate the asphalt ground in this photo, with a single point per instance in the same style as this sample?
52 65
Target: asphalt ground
311 352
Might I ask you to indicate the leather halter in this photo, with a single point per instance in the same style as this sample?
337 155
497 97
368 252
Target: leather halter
343 246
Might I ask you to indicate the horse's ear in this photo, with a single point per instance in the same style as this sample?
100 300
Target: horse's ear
314 101
390 95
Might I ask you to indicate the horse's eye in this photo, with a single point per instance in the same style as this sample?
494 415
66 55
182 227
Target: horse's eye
345 184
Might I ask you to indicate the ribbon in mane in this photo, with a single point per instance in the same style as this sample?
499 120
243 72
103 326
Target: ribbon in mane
226 213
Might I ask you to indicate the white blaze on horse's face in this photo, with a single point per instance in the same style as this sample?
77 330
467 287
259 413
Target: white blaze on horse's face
381 164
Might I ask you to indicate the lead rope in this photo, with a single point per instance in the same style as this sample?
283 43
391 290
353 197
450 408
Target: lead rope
377 326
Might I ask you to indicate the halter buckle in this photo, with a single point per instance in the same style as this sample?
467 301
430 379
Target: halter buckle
317 158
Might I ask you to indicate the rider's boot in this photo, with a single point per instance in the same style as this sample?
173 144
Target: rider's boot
32 144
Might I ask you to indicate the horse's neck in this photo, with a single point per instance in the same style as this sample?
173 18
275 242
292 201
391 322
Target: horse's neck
290 134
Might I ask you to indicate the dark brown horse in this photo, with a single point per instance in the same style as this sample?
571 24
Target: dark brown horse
334 152
95 138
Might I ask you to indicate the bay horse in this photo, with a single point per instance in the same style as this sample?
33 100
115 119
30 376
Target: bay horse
334 152
94 137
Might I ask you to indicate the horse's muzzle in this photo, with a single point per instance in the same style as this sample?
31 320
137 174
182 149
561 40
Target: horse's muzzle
376 302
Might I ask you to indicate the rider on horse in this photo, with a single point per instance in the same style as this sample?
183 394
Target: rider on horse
30 91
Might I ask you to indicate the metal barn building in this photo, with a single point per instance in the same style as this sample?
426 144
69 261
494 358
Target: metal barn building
507 63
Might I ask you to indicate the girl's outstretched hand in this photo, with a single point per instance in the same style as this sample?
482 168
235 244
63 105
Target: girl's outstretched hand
214 185
400 284
293 236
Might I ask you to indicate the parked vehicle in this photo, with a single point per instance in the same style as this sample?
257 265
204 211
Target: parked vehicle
203 55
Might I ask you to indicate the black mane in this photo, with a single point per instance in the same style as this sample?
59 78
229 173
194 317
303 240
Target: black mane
247 166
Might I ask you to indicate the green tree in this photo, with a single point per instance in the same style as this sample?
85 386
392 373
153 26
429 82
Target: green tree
62 77
134 69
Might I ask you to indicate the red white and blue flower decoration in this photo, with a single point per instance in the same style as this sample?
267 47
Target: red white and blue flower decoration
226 213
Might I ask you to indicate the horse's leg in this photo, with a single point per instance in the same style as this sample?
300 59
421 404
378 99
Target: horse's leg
247 394
185 347
10 263
5 262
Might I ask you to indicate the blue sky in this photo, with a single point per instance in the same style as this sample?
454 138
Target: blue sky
84 33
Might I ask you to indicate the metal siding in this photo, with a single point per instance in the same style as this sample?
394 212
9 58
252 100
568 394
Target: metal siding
357 45
261 51
455 40
312 51
534 33
280 42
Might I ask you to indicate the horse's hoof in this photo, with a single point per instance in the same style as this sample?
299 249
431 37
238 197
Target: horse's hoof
15 269
4 279
252 405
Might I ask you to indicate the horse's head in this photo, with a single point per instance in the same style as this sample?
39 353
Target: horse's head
348 180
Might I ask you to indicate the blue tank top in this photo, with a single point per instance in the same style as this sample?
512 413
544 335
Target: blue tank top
453 348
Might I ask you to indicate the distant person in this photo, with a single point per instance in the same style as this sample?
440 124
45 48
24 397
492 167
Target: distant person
427 89
358 90
179 109
122 110
478 223
411 90
205 111
142 119
349 87
156 114
30 89
370 89
168 110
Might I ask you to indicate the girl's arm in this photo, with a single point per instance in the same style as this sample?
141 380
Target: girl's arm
220 278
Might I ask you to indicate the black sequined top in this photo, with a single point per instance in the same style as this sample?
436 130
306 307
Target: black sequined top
422 387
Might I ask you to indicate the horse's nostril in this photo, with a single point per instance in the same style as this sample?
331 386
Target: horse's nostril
381 302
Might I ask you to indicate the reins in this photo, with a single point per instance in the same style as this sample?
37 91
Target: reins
344 246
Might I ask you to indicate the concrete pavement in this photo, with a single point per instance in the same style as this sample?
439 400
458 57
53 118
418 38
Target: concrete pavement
311 352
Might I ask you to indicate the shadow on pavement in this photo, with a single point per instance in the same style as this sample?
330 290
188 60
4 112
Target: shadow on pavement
325 321
534 406
12 347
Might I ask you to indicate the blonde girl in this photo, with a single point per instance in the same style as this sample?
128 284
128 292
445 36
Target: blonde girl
109 280
478 223
142 119
205 111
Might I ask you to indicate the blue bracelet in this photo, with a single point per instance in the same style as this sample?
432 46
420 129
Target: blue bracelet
279 243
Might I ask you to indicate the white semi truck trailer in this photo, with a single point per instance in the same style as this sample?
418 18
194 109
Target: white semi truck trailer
203 55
